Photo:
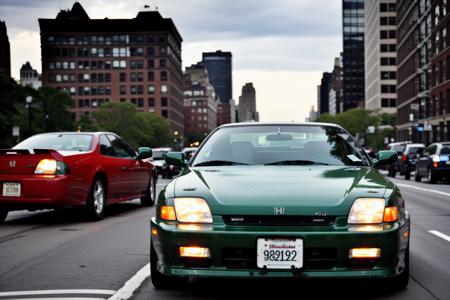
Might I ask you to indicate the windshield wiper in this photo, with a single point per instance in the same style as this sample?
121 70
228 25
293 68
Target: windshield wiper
218 163
296 162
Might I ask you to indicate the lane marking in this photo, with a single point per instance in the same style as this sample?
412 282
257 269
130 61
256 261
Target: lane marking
422 189
440 234
132 284
56 292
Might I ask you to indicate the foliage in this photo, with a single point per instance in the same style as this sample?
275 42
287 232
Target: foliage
357 120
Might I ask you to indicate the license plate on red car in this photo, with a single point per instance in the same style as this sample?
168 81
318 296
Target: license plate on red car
280 253
11 189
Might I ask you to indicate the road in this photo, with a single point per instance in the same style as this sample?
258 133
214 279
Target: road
56 254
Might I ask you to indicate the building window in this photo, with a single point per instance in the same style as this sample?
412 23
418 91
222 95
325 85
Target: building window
162 63
163 75
165 113
150 64
164 89
388 88
151 75
151 102
151 89
164 101
140 102
123 77
123 89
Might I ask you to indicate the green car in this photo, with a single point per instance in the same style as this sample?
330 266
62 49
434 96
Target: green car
280 200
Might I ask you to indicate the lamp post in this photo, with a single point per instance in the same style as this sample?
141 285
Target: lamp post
29 100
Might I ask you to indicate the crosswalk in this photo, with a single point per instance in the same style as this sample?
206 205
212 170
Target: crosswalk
70 294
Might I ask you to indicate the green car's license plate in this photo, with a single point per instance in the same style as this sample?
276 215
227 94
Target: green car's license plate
279 253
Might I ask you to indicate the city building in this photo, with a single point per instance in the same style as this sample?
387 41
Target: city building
219 66
439 118
313 115
5 54
323 92
335 103
380 56
353 53
247 104
134 60
200 103
29 76
414 21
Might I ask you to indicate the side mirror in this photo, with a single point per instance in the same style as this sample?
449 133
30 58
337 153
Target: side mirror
386 157
144 152
175 159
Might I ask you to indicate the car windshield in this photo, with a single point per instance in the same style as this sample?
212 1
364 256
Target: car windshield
399 148
414 150
159 155
281 145
58 142
445 149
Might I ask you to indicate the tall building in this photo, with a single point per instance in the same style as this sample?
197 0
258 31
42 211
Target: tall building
324 90
380 56
128 60
5 54
200 103
335 104
247 104
439 118
29 76
219 66
353 54
414 20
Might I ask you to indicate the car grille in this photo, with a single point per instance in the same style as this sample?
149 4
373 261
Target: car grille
245 258
250 220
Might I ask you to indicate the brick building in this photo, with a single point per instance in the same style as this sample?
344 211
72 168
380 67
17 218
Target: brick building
129 60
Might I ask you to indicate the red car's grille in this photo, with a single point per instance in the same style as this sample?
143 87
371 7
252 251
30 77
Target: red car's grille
250 220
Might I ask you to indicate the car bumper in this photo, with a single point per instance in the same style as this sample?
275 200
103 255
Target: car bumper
37 191
325 252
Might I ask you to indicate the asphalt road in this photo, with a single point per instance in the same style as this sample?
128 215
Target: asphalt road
56 254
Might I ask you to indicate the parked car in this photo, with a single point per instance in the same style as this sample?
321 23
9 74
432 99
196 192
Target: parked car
189 152
407 162
280 200
398 147
166 171
79 170
434 163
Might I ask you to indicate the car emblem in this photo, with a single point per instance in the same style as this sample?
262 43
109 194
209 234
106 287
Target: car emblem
278 210
12 163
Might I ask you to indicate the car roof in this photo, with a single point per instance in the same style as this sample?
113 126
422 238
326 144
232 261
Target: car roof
78 132
415 145
279 124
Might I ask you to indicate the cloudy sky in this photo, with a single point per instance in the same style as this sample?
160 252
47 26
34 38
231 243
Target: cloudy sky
281 46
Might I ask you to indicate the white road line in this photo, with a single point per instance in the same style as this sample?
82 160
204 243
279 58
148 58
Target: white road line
440 234
57 292
422 189
132 285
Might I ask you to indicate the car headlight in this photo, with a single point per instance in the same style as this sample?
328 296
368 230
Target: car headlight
367 211
192 210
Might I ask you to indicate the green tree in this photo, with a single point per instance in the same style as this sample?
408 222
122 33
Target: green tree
53 110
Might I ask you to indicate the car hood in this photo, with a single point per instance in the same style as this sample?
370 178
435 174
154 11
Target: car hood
301 190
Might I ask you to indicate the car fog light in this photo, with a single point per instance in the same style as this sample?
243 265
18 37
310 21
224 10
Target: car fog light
195 252
154 232
364 253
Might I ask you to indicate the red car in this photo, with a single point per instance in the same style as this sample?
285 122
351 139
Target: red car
80 170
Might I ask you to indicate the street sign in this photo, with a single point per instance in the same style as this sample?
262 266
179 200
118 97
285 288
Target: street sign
414 106
428 127
371 129
16 131
411 117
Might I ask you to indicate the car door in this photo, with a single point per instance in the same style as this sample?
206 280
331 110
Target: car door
124 164
424 161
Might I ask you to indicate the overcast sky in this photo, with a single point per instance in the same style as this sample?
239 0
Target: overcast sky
282 46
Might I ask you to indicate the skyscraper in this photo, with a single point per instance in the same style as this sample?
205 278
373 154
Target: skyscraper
323 90
5 56
247 104
219 66
353 54
380 56
128 60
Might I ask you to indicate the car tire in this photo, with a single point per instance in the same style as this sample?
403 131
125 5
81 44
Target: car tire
407 176
417 177
161 281
96 203
3 214
400 282
150 193
431 177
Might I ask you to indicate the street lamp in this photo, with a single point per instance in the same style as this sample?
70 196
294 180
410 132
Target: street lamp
29 99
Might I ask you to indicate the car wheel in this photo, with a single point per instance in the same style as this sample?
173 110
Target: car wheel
150 193
3 214
417 177
431 177
96 204
400 282
161 281
407 175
